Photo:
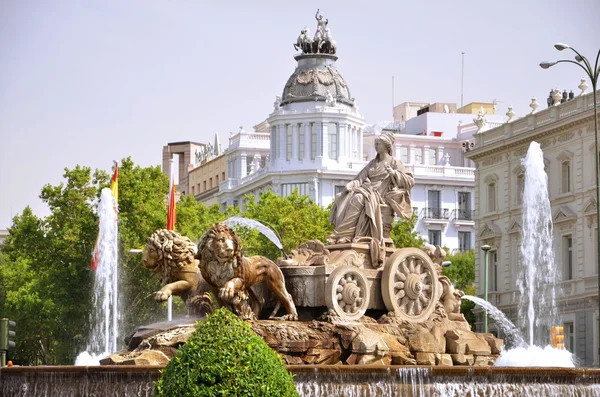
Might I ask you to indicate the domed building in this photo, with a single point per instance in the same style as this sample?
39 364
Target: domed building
315 132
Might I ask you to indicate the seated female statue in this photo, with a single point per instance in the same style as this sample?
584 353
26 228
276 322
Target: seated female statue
383 184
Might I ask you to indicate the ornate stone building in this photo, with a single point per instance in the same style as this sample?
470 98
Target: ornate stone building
566 135
315 133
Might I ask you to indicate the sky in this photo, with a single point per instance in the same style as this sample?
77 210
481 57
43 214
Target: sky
89 82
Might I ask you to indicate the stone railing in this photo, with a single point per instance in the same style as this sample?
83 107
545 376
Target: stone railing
577 105
422 170
251 139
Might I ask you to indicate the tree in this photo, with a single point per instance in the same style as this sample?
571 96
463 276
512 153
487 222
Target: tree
404 234
294 218
462 275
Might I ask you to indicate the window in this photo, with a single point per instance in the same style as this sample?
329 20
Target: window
210 183
301 132
464 241
404 154
288 142
288 188
193 190
431 153
435 237
313 140
333 141
217 179
235 203
223 175
204 186
493 270
492 197
568 257
565 173
520 188
464 206
434 204
418 156
568 332
339 189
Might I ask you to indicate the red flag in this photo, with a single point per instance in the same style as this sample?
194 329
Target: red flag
171 211
95 256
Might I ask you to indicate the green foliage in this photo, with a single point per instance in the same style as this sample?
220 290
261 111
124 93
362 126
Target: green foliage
462 275
224 357
404 234
296 219
462 270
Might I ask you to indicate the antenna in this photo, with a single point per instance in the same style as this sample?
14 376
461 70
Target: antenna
462 80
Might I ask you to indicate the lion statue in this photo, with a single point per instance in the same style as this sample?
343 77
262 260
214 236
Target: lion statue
233 275
171 257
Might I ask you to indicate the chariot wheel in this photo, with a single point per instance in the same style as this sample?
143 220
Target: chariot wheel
409 284
347 292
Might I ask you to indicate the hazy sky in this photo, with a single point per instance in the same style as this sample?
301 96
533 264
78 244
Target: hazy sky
89 81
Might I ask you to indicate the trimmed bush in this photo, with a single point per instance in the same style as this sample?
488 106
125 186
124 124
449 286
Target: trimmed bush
225 357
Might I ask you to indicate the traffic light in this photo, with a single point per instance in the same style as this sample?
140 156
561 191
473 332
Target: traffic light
557 337
6 334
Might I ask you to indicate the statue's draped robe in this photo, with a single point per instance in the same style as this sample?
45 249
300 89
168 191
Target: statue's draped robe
357 213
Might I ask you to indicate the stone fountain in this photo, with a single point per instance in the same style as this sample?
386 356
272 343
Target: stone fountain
360 316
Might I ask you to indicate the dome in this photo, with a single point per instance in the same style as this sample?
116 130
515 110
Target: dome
315 75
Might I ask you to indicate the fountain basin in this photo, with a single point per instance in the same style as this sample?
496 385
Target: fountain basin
324 380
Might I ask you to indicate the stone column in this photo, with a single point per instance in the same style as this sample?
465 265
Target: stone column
307 141
243 165
440 155
411 153
324 146
342 144
426 154
295 140
281 134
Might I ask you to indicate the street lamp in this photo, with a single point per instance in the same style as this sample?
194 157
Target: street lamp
592 73
486 248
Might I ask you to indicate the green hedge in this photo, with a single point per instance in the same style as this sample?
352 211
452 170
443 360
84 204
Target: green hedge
225 357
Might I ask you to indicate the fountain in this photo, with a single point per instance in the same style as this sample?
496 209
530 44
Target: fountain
538 278
105 315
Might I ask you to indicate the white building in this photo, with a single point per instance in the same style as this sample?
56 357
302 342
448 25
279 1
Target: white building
312 141
566 135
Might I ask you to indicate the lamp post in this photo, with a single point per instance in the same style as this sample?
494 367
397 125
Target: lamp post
592 73
486 248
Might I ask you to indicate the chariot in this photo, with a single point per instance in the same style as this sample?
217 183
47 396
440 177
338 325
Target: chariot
353 277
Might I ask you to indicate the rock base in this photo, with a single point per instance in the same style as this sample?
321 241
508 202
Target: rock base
370 342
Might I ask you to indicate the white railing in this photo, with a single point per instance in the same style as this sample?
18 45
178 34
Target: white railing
420 170
249 136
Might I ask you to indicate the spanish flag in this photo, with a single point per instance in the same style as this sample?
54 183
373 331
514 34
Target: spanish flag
171 210
114 184
114 188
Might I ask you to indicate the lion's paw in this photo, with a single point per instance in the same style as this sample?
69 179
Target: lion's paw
289 317
162 296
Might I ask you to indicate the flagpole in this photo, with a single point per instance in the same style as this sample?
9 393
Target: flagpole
115 190
171 192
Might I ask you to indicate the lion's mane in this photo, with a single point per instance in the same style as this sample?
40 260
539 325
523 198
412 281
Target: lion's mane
174 252
205 255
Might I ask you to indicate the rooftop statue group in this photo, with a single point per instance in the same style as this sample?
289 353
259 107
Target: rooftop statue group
321 43
360 258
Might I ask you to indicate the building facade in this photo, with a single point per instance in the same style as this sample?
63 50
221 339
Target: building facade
566 135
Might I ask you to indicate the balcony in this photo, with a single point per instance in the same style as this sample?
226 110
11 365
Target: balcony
442 172
463 217
435 216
